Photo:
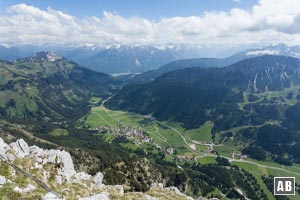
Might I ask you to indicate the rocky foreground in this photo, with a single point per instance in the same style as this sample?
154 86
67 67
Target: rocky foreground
30 172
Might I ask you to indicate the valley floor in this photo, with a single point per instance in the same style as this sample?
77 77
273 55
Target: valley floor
195 145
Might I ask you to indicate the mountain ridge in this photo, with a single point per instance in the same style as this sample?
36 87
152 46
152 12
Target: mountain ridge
211 86
48 85
257 96
116 59
279 50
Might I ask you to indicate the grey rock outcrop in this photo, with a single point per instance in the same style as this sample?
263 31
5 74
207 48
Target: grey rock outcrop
3 147
148 197
3 180
29 188
52 196
57 167
60 158
97 179
78 177
20 148
101 196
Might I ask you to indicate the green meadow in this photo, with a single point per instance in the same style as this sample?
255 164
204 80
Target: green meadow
167 134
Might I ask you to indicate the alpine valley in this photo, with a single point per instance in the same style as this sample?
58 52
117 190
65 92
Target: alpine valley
202 128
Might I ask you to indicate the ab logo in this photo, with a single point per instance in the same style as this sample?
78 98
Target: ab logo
284 185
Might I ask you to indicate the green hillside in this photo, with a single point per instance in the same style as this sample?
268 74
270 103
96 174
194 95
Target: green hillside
253 104
35 88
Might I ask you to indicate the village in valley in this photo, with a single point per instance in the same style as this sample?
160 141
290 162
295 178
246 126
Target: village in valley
139 136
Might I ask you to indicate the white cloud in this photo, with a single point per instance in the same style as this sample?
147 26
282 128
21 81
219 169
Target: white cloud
269 21
237 1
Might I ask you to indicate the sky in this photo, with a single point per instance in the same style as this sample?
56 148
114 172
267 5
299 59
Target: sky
150 9
156 22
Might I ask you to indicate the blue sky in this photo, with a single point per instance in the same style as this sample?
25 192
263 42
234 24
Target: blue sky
150 9
205 23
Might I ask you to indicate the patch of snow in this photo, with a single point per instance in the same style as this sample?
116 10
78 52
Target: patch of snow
262 52
113 46
137 63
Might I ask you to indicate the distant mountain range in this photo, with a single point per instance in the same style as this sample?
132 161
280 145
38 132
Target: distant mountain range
112 59
280 49
120 59
185 63
130 59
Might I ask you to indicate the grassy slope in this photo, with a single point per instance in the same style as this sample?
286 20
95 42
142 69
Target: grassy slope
203 133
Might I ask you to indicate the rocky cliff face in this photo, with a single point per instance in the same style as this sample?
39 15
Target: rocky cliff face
29 172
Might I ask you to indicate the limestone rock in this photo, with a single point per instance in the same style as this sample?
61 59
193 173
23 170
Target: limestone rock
37 165
98 178
175 189
60 158
78 177
3 180
148 197
10 157
159 185
59 179
61 164
67 169
101 196
20 148
38 154
46 175
29 188
120 188
17 189
3 145
51 196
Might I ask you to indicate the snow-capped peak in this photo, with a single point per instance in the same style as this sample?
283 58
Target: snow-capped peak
262 52
113 46
278 49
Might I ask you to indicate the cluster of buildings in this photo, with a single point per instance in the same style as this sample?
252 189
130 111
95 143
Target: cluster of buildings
135 133
184 158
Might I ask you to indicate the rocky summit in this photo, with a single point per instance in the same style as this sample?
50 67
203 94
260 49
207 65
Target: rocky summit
30 172
49 56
